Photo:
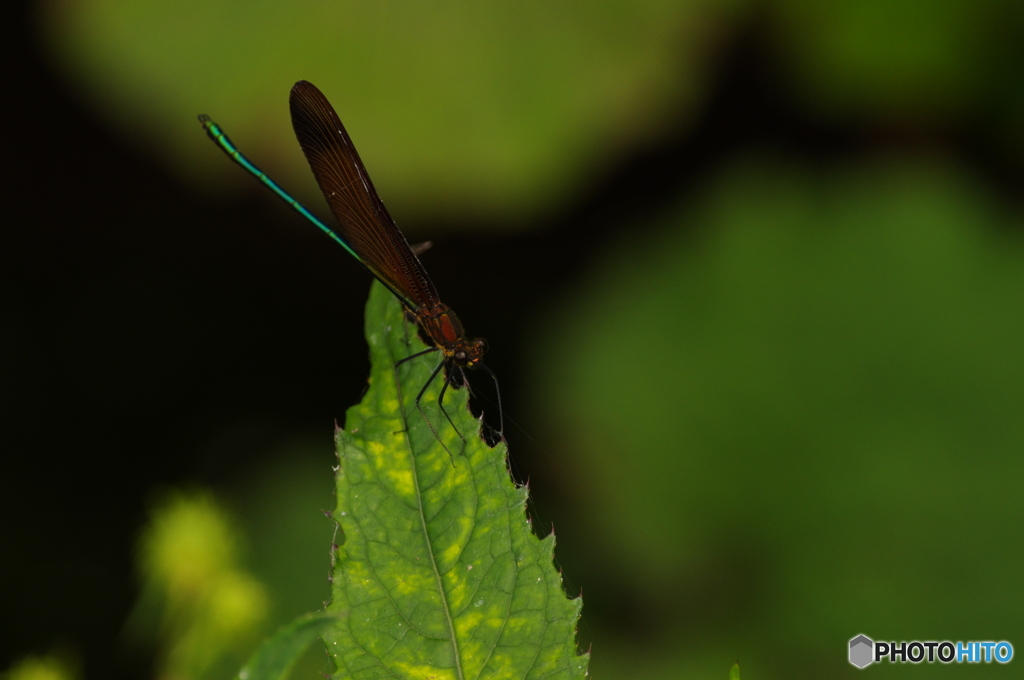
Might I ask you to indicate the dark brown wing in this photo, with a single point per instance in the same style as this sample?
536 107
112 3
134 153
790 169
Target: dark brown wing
364 221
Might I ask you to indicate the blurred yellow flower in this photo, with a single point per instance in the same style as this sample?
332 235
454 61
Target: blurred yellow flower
209 607
41 668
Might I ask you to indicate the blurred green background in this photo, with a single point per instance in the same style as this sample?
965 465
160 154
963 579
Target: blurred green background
752 274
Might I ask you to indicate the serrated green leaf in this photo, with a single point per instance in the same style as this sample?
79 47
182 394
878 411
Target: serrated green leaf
276 656
437 569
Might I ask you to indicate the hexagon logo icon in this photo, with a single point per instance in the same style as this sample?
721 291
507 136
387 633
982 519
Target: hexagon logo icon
862 651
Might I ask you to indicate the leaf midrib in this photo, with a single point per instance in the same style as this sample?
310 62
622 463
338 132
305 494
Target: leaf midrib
423 525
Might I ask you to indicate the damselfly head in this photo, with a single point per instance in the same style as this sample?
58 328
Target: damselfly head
468 353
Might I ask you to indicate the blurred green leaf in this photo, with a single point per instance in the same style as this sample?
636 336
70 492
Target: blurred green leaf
734 672
282 499
460 109
276 657
438 572
796 410
911 60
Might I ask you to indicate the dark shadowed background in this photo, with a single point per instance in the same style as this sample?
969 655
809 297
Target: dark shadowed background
752 274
